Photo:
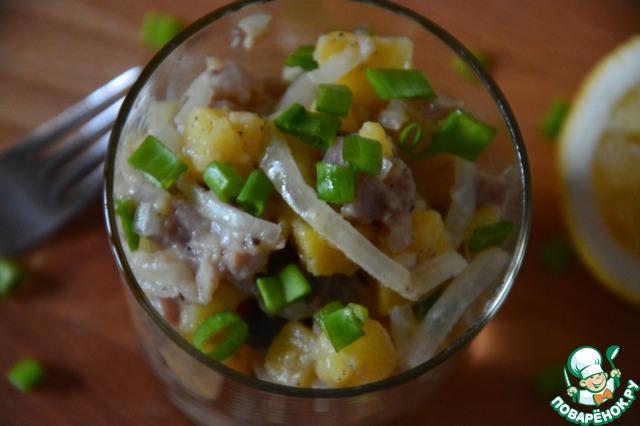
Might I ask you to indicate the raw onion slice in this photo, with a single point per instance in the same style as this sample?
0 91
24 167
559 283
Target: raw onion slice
226 215
432 273
303 89
463 201
200 91
418 342
162 274
280 167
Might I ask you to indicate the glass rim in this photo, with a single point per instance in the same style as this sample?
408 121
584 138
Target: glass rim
505 284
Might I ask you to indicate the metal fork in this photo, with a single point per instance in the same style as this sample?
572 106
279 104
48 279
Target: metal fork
53 173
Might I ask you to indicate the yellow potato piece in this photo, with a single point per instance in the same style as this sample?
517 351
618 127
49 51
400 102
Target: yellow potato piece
318 256
369 359
375 131
223 135
290 359
430 238
249 128
225 297
388 52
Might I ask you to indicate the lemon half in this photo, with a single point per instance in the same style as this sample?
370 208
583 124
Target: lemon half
600 170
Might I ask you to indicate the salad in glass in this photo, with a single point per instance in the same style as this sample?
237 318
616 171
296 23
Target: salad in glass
326 230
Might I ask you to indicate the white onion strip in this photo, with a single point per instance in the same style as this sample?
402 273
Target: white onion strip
463 201
418 343
200 91
434 272
224 214
303 89
280 167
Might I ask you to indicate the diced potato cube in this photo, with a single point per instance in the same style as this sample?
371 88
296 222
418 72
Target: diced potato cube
319 257
370 358
373 130
225 297
222 135
430 238
208 136
332 43
290 359
391 52
249 127
388 52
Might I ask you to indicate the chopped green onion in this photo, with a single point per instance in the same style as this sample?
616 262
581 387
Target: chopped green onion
289 120
343 326
270 289
410 136
255 193
26 374
327 309
462 68
315 128
289 286
400 84
158 29
302 57
421 308
554 118
228 330
557 254
489 235
125 211
335 183
334 99
158 162
362 154
294 283
12 276
224 180
461 135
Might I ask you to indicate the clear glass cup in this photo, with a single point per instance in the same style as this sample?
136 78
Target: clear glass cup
210 393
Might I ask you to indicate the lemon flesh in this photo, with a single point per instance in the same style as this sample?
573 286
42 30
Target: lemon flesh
616 173
600 170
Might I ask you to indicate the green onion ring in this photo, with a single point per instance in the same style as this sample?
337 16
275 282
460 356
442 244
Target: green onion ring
410 136
234 329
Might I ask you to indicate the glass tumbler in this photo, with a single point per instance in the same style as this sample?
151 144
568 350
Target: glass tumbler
207 392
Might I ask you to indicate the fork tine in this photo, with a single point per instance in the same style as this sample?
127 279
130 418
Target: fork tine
79 142
75 115
85 189
40 200
72 175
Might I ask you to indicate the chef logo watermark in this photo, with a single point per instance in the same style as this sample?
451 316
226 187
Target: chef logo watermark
596 390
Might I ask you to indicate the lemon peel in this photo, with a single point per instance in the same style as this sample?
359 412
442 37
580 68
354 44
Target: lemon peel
607 87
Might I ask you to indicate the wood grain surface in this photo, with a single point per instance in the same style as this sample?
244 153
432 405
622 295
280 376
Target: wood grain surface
72 315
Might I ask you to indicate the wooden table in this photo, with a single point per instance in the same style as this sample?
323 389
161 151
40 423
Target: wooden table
72 316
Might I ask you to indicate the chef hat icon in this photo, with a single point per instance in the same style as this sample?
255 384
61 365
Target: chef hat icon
584 362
